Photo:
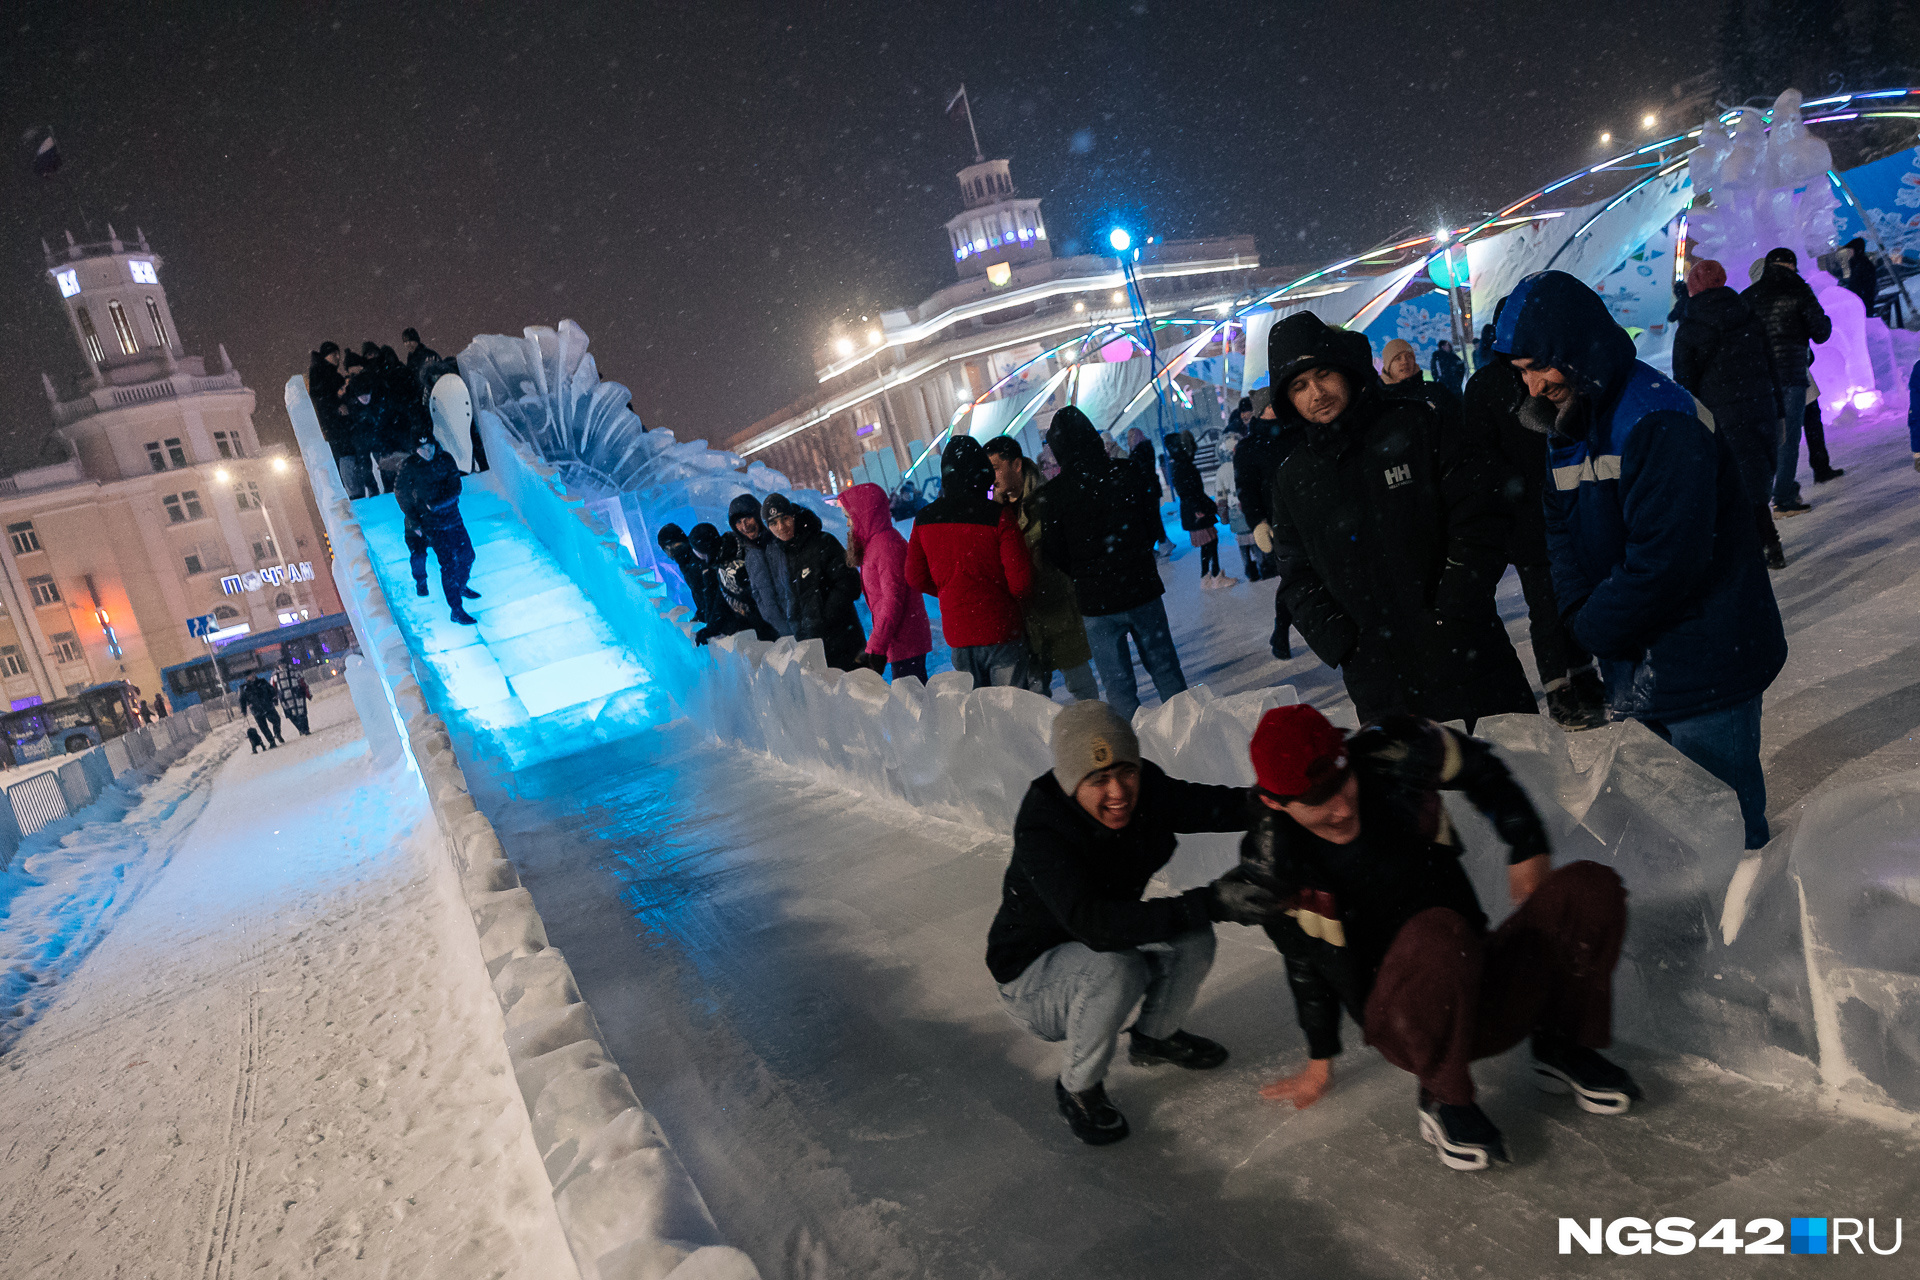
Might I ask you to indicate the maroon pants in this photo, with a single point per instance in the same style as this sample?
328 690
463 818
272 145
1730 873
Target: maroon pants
1445 995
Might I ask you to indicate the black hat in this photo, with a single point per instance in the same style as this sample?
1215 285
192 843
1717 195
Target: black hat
964 467
1304 341
774 506
409 335
1783 254
353 361
669 535
328 348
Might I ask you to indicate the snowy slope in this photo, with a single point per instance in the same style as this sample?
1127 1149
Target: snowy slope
283 1058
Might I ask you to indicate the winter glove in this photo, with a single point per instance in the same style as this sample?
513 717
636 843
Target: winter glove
703 635
1241 902
1263 537
873 662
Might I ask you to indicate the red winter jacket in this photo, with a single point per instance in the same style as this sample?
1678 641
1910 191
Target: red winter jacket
968 551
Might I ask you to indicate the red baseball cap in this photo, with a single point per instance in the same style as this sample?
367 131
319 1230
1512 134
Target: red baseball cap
1298 755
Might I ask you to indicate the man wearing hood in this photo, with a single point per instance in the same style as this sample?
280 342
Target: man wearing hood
1793 317
1391 538
1721 355
766 564
427 489
1656 563
823 584
1100 519
967 550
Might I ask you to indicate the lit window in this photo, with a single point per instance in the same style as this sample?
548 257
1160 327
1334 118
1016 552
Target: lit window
43 590
67 646
69 281
11 661
23 537
159 325
176 456
95 351
193 562
123 328
143 272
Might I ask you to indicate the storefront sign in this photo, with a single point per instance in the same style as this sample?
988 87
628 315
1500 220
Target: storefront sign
257 580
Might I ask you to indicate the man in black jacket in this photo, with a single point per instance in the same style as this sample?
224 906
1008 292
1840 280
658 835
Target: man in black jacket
1722 356
1254 464
1100 521
824 585
1391 539
1793 317
428 491
1379 919
1576 698
1074 947
420 357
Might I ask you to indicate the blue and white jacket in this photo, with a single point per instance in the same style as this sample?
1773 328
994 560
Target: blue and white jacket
1657 566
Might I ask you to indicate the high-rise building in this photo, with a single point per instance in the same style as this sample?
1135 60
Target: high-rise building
165 519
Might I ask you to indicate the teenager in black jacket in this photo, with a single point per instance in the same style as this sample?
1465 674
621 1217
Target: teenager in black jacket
428 491
1381 921
1074 946
824 584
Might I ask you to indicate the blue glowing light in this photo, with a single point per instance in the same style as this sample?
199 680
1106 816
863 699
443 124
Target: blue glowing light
1120 240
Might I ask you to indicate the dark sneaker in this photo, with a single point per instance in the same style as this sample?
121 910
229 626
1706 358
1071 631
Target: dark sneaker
1572 712
1195 1053
1776 556
1093 1119
420 588
461 616
1464 1136
1598 1086
469 593
1834 474
1791 509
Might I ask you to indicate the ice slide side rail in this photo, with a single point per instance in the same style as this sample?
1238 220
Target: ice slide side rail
626 1204
1756 963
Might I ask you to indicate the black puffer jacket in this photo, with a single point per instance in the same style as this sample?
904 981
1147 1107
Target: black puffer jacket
428 491
1256 460
1075 880
1347 902
1197 510
1792 315
1391 537
1721 355
1491 422
1100 519
824 589
323 388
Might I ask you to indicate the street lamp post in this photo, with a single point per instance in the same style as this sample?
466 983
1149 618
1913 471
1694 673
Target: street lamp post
1123 249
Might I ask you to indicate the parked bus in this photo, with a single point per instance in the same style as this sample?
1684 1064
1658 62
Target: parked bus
68 725
315 648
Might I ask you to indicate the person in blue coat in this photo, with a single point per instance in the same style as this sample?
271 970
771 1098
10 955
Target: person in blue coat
1656 562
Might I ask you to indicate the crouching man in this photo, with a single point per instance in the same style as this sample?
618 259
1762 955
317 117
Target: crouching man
1074 947
1380 920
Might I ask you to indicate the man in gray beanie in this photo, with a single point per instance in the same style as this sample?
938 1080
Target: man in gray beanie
1074 947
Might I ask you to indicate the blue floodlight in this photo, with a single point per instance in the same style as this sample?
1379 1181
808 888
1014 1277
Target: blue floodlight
1120 240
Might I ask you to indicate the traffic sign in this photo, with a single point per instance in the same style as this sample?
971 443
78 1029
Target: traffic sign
201 625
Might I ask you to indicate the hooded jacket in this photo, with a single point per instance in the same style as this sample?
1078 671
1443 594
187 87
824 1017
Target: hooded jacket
1258 457
1721 355
1100 520
824 589
1197 510
1391 537
1656 561
766 559
900 627
967 550
1793 317
719 608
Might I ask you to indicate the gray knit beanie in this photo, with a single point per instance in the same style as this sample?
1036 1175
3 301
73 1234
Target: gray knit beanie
1088 737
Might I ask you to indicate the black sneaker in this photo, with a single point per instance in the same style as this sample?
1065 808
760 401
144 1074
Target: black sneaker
1776 556
1195 1053
420 588
461 616
1572 712
1464 1136
1598 1086
1791 509
1834 474
1093 1119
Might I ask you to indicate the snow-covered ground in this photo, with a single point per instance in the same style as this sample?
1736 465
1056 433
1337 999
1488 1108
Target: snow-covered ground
252 1034
792 976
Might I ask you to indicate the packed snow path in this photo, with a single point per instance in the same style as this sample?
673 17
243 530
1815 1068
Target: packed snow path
282 1056
792 978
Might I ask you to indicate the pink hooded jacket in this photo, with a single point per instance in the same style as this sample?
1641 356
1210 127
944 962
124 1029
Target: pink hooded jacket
900 626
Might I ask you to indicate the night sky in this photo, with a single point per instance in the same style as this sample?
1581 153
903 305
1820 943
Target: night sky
705 189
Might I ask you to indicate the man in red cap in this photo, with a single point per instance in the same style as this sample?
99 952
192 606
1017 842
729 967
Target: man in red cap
1382 921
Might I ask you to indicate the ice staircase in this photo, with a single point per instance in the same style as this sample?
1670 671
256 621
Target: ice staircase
542 675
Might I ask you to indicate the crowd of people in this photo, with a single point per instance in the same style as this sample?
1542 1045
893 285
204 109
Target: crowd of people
1638 512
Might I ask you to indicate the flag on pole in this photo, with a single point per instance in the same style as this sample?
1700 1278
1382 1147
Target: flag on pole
959 109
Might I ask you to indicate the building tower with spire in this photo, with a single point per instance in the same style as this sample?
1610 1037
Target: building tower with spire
997 225
162 508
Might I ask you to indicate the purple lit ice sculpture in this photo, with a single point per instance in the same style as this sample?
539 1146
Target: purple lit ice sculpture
1770 189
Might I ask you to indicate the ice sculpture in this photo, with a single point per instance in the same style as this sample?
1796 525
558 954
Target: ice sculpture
1769 188
546 390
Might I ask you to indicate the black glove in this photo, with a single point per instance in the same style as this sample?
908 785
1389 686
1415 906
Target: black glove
1241 903
873 662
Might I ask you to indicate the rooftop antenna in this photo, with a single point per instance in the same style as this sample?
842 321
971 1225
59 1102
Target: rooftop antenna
965 107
